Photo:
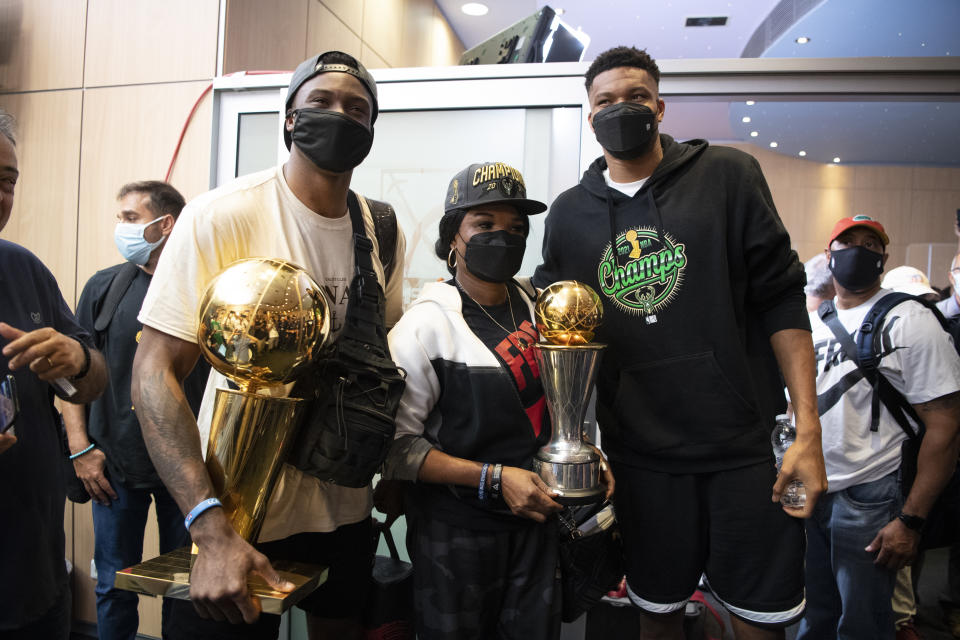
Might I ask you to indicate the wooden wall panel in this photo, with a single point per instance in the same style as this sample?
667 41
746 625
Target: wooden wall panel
383 28
264 36
349 11
326 31
84 598
370 59
121 144
138 41
41 44
447 47
44 217
416 37
917 205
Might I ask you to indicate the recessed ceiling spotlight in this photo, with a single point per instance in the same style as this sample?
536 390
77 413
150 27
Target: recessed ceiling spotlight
773 145
745 119
801 153
475 9
836 160
754 134
750 103
803 40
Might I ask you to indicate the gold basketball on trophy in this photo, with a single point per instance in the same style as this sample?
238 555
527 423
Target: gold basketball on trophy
568 313
262 320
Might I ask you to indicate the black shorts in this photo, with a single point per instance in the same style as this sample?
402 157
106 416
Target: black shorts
722 525
349 553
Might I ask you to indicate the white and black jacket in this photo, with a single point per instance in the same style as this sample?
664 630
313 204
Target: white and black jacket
459 399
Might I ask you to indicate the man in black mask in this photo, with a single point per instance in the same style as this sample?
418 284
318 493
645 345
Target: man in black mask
703 298
863 531
300 211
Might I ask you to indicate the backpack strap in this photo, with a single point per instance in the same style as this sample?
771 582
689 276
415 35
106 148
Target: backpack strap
118 287
385 228
862 354
365 305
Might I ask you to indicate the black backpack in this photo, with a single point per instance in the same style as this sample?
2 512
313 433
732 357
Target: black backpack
355 390
943 523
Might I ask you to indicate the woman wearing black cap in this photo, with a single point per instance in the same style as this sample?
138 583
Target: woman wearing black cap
471 419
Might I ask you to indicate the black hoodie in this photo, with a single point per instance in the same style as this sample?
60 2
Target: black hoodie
703 275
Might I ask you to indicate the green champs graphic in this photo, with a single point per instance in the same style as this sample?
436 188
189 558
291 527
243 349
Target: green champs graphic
646 273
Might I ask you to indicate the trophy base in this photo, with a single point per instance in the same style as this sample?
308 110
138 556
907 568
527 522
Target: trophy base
578 483
169 576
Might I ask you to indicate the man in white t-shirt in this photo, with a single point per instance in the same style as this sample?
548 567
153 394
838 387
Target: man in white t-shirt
862 530
297 212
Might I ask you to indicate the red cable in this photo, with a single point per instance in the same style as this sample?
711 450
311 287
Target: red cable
196 105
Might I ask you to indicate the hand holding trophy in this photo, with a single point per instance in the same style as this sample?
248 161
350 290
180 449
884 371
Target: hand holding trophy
567 315
261 322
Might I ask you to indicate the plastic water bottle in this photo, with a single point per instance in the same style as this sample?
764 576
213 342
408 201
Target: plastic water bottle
784 434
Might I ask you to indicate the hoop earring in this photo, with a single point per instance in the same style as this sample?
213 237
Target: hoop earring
452 263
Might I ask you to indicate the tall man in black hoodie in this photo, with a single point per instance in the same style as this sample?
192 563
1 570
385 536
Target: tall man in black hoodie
704 298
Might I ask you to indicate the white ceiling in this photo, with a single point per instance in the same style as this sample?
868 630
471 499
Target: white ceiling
918 132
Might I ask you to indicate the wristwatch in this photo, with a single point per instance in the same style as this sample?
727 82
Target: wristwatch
911 522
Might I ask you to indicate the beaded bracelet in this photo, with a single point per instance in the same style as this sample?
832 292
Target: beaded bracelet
481 490
495 481
74 456
200 508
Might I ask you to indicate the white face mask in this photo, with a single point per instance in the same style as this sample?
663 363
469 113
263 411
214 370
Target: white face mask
131 243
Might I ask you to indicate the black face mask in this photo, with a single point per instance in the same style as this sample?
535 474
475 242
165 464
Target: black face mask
627 130
331 140
857 268
495 256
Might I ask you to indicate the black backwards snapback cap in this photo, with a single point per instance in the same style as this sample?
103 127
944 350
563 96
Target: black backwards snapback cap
489 183
315 66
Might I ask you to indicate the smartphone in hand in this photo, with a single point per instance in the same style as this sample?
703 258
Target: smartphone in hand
9 403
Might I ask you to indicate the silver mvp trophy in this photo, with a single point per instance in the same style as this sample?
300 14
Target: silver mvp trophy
567 314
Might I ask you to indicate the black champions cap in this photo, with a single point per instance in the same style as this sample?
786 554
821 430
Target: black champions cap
489 183
315 66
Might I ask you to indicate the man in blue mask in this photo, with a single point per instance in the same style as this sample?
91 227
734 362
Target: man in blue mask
113 463
868 524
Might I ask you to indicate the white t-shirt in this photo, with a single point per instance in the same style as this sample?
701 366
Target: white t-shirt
627 188
253 216
918 358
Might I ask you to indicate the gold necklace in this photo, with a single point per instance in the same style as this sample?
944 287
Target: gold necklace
521 343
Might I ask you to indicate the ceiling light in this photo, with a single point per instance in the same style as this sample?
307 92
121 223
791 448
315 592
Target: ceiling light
754 134
474 9
773 145
750 103
745 119
836 159
803 40
801 153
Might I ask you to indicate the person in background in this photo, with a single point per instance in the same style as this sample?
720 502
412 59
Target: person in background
472 416
950 306
116 471
863 531
703 299
909 280
819 285
48 354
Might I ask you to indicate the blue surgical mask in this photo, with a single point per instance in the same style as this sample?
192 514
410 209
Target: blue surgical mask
131 243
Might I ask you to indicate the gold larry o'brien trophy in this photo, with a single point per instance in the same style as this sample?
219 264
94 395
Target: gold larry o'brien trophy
567 315
262 321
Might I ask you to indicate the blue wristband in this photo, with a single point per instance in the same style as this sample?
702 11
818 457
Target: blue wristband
200 508
76 455
482 490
